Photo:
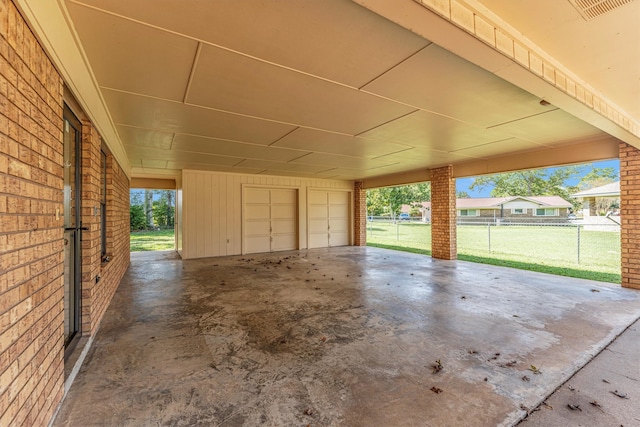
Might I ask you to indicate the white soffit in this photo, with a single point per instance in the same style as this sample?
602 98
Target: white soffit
326 89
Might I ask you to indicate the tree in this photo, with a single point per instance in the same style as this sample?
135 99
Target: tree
537 182
390 199
163 211
148 207
462 195
137 219
597 177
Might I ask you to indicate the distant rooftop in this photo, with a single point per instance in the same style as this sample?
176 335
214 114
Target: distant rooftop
489 202
607 190
495 202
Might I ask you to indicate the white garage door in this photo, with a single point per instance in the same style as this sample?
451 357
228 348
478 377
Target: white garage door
328 218
270 220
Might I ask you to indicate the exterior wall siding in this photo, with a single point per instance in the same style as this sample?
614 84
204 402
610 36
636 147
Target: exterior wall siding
630 215
31 228
212 209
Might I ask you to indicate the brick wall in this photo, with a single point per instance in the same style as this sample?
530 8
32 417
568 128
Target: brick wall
630 215
96 295
91 238
360 214
111 272
443 214
31 233
31 251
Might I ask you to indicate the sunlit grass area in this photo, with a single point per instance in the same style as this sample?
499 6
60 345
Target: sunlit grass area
152 240
566 251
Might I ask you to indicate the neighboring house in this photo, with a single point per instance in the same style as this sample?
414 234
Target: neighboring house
513 209
589 206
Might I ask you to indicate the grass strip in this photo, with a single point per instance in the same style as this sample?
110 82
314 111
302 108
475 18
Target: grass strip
541 268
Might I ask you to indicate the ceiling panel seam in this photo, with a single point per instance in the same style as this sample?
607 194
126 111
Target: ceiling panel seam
280 66
395 65
196 57
606 107
522 118
416 109
283 136
387 122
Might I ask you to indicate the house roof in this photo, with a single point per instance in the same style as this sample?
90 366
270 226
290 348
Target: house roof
496 202
607 190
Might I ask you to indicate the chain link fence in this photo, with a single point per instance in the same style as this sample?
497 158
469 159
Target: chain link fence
594 247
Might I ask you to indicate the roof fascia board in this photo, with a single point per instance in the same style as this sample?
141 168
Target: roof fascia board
495 46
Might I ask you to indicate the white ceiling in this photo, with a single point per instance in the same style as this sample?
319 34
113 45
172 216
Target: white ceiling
323 89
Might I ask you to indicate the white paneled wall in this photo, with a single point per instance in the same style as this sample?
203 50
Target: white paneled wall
212 209
178 216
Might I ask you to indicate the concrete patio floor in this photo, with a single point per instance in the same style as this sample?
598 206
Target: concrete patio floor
341 337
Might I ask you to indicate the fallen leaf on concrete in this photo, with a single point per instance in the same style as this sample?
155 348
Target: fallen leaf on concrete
437 367
436 390
526 378
594 290
574 407
571 388
472 352
596 404
535 370
509 364
308 411
619 394
523 407
605 381
323 339
546 405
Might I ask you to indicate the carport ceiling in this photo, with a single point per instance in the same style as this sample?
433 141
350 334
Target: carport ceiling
323 89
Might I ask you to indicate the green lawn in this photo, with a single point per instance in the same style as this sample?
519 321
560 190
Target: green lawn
160 240
549 249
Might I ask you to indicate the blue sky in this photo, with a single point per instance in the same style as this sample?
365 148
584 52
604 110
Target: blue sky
462 184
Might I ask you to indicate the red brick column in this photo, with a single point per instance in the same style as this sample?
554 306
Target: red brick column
443 213
360 214
630 215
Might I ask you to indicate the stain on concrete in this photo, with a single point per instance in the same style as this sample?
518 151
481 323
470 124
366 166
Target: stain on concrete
345 336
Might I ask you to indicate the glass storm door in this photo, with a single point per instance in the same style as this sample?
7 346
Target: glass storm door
72 227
